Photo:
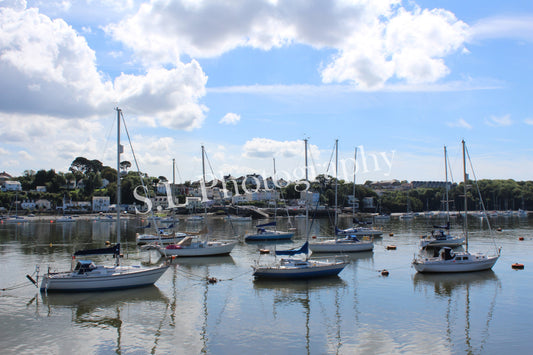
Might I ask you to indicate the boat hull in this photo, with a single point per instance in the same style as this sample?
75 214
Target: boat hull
444 266
121 278
311 271
341 246
269 236
212 249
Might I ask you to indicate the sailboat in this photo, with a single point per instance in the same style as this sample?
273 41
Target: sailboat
193 245
87 276
300 268
268 234
441 237
449 261
349 242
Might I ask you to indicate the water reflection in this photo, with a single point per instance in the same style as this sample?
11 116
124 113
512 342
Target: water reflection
305 293
121 311
470 299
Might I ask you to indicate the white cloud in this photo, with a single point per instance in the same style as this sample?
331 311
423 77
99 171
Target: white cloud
230 118
48 69
517 27
502 121
267 148
461 123
375 41
529 121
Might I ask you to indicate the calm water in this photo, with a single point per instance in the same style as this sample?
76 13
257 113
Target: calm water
358 312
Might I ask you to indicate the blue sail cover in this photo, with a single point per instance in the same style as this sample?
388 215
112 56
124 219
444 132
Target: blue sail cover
266 224
114 250
447 226
161 229
304 249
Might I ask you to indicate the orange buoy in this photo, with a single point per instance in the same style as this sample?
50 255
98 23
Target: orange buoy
521 238
264 251
391 234
517 266
391 247
384 272
314 237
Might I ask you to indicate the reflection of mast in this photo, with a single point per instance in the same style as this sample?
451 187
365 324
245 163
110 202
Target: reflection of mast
203 333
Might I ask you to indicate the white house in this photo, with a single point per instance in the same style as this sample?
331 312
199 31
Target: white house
43 204
28 205
100 203
11 185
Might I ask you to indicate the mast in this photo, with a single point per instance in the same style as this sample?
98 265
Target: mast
354 172
465 223
306 197
336 180
306 177
447 187
119 150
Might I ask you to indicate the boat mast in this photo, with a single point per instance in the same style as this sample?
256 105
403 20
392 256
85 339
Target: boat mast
354 172
336 178
119 150
306 197
465 223
447 187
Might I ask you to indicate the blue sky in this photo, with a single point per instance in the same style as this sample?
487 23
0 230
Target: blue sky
251 79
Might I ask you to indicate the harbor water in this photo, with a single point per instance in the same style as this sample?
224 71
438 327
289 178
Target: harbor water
359 312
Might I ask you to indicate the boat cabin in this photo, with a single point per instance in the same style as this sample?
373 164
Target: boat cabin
84 266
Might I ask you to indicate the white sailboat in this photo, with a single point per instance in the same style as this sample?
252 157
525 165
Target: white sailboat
299 268
350 242
268 234
191 246
450 261
87 276
441 237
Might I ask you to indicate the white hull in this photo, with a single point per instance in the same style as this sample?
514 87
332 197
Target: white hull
300 269
165 239
341 246
360 232
472 262
103 278
199 249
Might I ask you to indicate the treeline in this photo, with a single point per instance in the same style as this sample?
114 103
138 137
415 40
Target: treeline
87 178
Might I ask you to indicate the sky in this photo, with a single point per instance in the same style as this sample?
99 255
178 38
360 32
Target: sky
251 79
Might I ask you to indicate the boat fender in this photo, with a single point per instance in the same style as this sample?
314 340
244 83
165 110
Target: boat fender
264 251
391 234
391 247
517 266
31 279
499 229
314 237
521 238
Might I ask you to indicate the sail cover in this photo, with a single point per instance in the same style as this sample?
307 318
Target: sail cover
115 250
447 226
304 249
266 224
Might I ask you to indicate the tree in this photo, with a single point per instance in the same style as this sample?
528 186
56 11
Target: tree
125 165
